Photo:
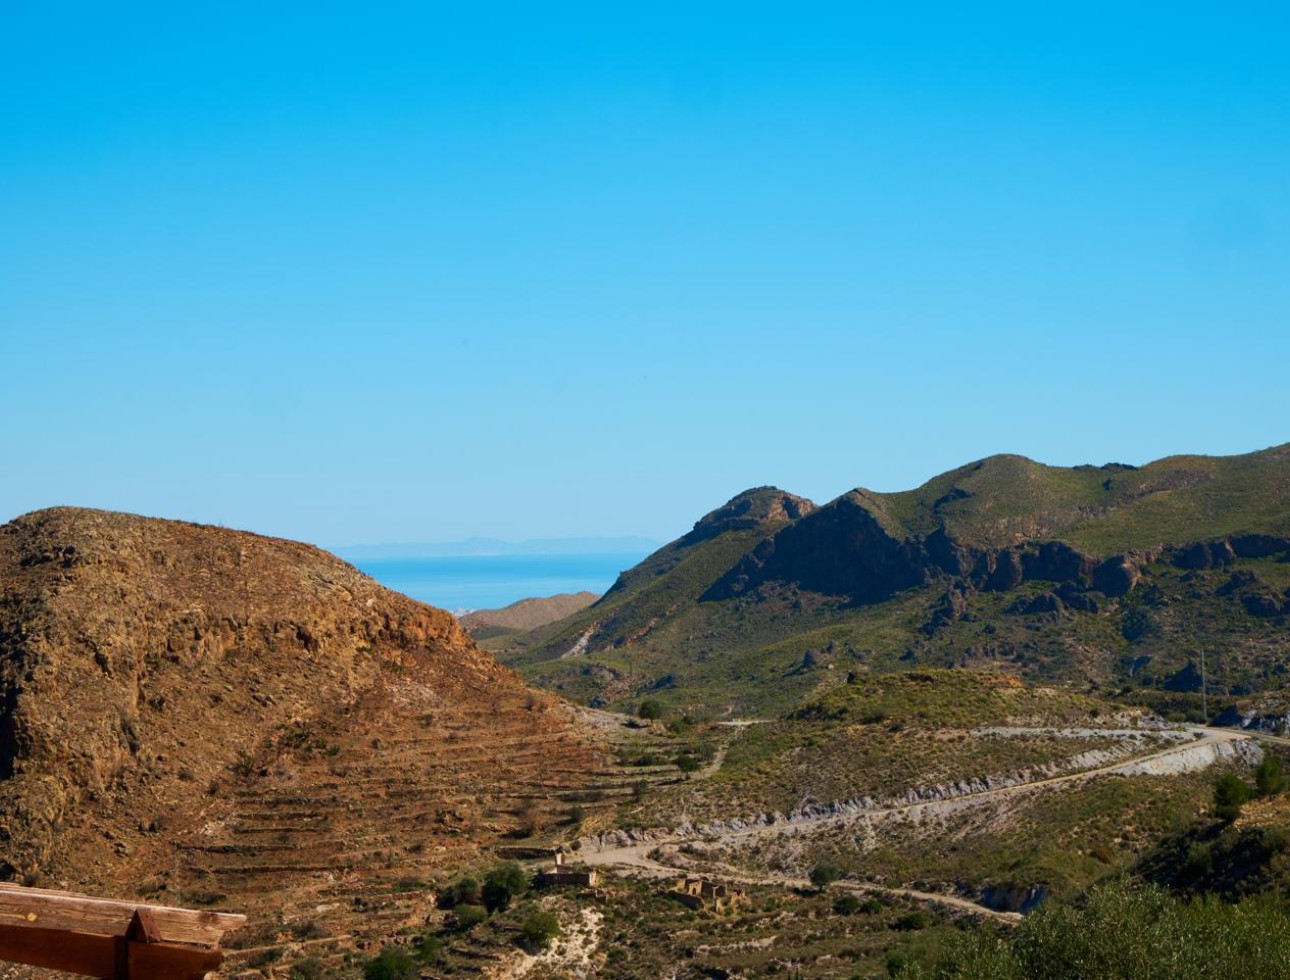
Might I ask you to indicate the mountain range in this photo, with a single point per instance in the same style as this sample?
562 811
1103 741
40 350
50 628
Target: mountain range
1113 575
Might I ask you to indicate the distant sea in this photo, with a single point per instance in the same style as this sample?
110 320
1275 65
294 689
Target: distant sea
462 583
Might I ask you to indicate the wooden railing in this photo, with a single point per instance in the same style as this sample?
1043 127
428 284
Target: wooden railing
111 940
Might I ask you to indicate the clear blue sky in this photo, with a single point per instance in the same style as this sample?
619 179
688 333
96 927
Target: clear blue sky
372 272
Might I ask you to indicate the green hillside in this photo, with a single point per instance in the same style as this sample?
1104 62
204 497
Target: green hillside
1112 576
1103 510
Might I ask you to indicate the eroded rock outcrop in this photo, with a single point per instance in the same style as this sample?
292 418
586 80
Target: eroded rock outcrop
845 548
854 548
759 507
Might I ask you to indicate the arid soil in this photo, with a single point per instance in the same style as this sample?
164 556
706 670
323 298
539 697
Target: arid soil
197 715
528 614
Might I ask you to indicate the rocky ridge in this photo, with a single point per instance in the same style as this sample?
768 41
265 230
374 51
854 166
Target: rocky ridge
1092 572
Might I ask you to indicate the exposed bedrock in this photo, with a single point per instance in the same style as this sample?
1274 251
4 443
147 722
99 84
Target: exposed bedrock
852 548
842 549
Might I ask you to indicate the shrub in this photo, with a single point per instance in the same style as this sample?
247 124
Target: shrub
1276 840
912 921
1230 794
1135 624
310 968
309 929
466 917
1199 862
539 929
530 821
688 763
265 957
392 963
464 891
244 767
846 905
430 949
1269 777
650 709
496 897
502 884
825 874
1119 933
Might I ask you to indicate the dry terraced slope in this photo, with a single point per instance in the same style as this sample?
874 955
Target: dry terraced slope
194 714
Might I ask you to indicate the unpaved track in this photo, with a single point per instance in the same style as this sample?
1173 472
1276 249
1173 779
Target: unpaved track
1208 745
1264 736
637 860
719 757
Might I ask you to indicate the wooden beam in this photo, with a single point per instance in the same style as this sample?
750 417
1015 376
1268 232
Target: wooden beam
35 907
143 929
164 961
97 956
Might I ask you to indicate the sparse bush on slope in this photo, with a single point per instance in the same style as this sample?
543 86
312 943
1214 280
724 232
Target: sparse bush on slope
539 929
650 709
1230 794
1122 933
502 884
393 963
1269 777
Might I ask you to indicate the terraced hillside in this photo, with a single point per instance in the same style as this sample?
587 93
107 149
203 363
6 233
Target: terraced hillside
344 834
1113 575
206 716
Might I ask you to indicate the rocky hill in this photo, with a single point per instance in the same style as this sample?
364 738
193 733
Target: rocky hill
1002 520
206 715
526 614
1090 572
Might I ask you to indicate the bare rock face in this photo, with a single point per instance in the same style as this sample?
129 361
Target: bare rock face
1006 570
1055 561
140 659
1117 576
844 549
952 607
1205 554
1262 604
1044 602
759 507
851 548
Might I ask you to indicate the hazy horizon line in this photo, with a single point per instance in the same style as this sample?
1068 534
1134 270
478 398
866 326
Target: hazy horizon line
483 546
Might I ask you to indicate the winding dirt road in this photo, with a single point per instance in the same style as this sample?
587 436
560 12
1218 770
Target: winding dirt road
631 853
